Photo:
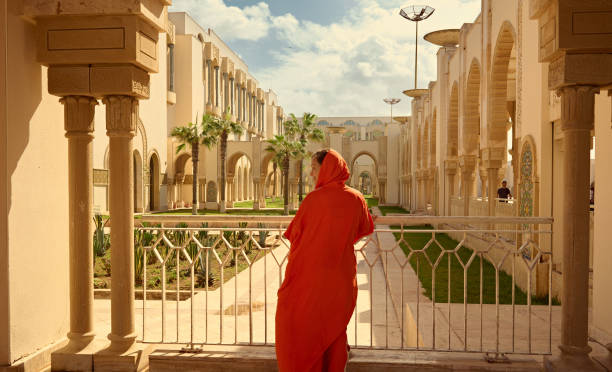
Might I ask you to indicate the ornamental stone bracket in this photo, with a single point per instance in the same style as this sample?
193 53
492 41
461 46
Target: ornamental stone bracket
580 69
493 157
451 165
99 80
572 27
467 163
95 48
576 38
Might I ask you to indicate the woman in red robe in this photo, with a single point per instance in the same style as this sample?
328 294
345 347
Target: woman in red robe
318 296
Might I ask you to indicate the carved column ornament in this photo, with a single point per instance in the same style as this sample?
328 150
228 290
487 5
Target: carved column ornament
79 115
577 103
121 115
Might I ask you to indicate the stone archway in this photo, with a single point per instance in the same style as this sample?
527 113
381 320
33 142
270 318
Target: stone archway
499 87
469 135
181 167
469 131
374 172
238 162
154 183
452 127
502 90
138 182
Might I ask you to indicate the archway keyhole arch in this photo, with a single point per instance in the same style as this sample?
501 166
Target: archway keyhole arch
364 160
138 181
432 139
452 134
502 75
239 168
469 131
154 182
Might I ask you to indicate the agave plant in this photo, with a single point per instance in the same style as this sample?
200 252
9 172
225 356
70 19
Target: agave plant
263 235
100 240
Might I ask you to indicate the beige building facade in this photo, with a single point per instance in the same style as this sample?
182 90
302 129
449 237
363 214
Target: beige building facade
523 94
86 89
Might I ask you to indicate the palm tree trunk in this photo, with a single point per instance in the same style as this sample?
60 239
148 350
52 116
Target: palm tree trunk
300 180
195 151
286 185
223 148
274 166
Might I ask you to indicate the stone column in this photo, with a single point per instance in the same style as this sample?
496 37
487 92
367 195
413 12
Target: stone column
577 115
79 125
468 166
262 193
451 171
231 190
256 199
491 189
121 118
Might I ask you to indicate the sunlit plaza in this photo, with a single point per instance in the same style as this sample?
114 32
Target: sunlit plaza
153 153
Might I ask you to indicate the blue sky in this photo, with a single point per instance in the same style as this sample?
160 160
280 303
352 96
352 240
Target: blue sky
331 57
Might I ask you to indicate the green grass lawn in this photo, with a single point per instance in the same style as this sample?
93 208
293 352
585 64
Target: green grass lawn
270 203
229 211
419 240
386 209
372 201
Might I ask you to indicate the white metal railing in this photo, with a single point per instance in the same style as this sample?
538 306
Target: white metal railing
474 294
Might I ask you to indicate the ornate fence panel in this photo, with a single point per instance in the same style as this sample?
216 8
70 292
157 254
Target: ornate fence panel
424 283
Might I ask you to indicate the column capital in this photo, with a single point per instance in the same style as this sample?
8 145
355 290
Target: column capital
493 157
450 166
577 107
79 114
467 163
121 115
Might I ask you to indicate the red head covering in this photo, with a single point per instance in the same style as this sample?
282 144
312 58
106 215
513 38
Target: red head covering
333 170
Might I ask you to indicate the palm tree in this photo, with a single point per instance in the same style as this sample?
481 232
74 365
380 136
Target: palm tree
304 130
283 150
189 136
219 130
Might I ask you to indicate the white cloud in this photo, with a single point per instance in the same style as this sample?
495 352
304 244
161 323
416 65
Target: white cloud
344 68
348 67
233 23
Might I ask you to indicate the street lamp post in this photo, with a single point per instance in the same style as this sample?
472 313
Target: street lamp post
391 102
416 13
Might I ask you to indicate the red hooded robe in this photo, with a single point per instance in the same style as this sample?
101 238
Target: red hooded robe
318 296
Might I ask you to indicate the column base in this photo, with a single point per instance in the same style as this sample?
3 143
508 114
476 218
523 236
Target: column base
134 359
222 207
74 357
256 206
572 363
